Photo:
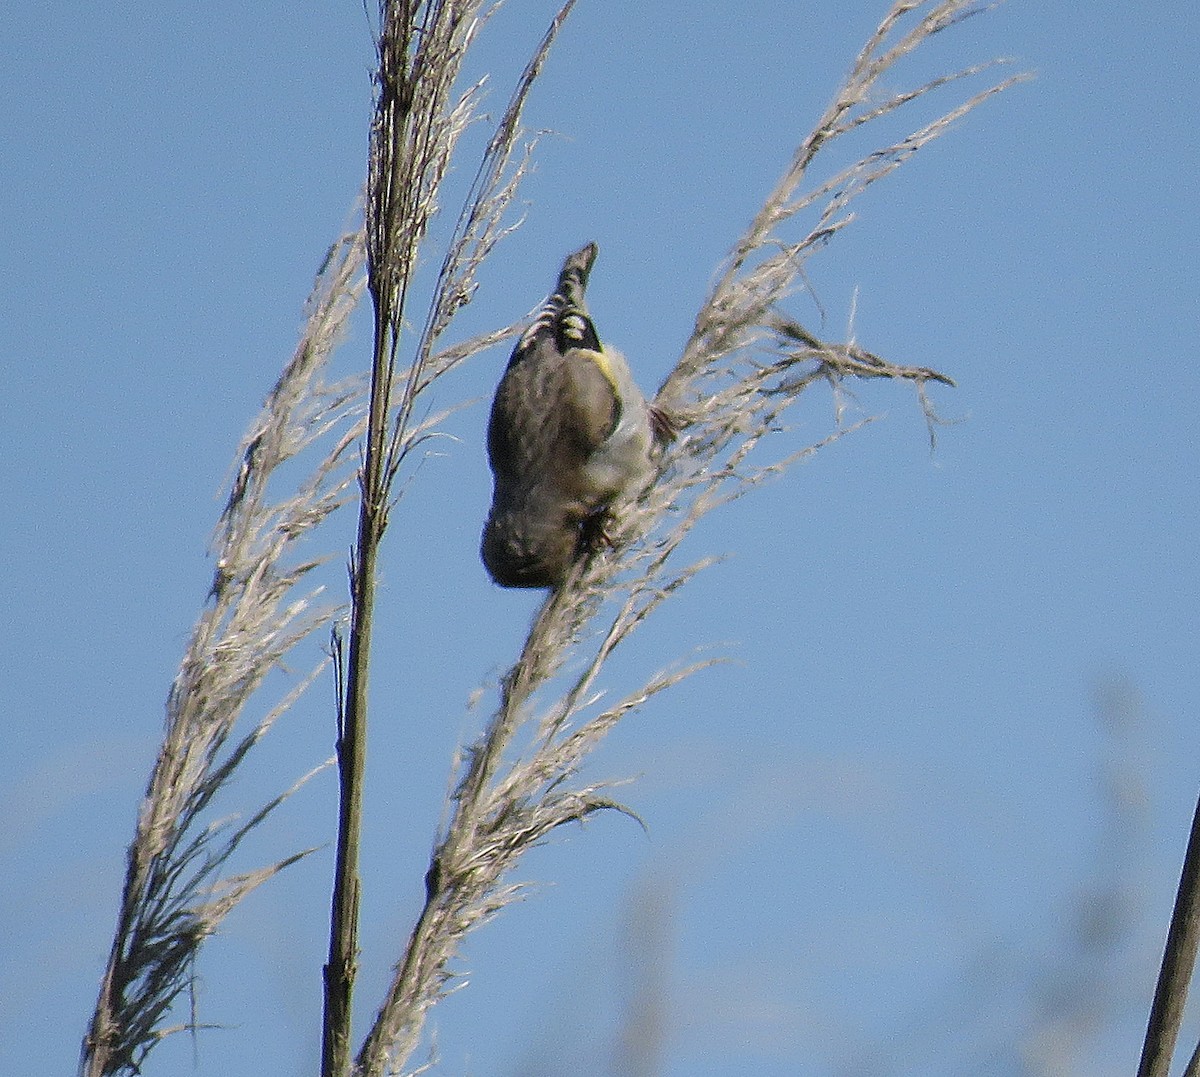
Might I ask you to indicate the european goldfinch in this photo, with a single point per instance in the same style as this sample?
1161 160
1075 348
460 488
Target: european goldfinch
569 434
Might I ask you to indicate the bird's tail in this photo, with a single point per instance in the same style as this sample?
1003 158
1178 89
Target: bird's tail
564 316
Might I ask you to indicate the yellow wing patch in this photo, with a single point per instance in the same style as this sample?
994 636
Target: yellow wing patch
605 364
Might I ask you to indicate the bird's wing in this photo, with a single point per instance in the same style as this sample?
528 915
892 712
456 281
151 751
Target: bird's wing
590 408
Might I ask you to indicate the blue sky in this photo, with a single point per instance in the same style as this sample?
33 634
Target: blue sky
877 820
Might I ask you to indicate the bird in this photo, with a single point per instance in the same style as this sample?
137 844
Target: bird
569 434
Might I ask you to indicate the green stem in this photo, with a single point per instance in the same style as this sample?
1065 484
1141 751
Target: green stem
342 966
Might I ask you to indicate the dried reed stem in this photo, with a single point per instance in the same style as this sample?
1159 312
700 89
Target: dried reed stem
174 895
413 138
1178 967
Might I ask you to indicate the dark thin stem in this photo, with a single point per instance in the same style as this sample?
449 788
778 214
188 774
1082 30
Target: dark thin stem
1179 959
1193 1066
387 282
352 742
